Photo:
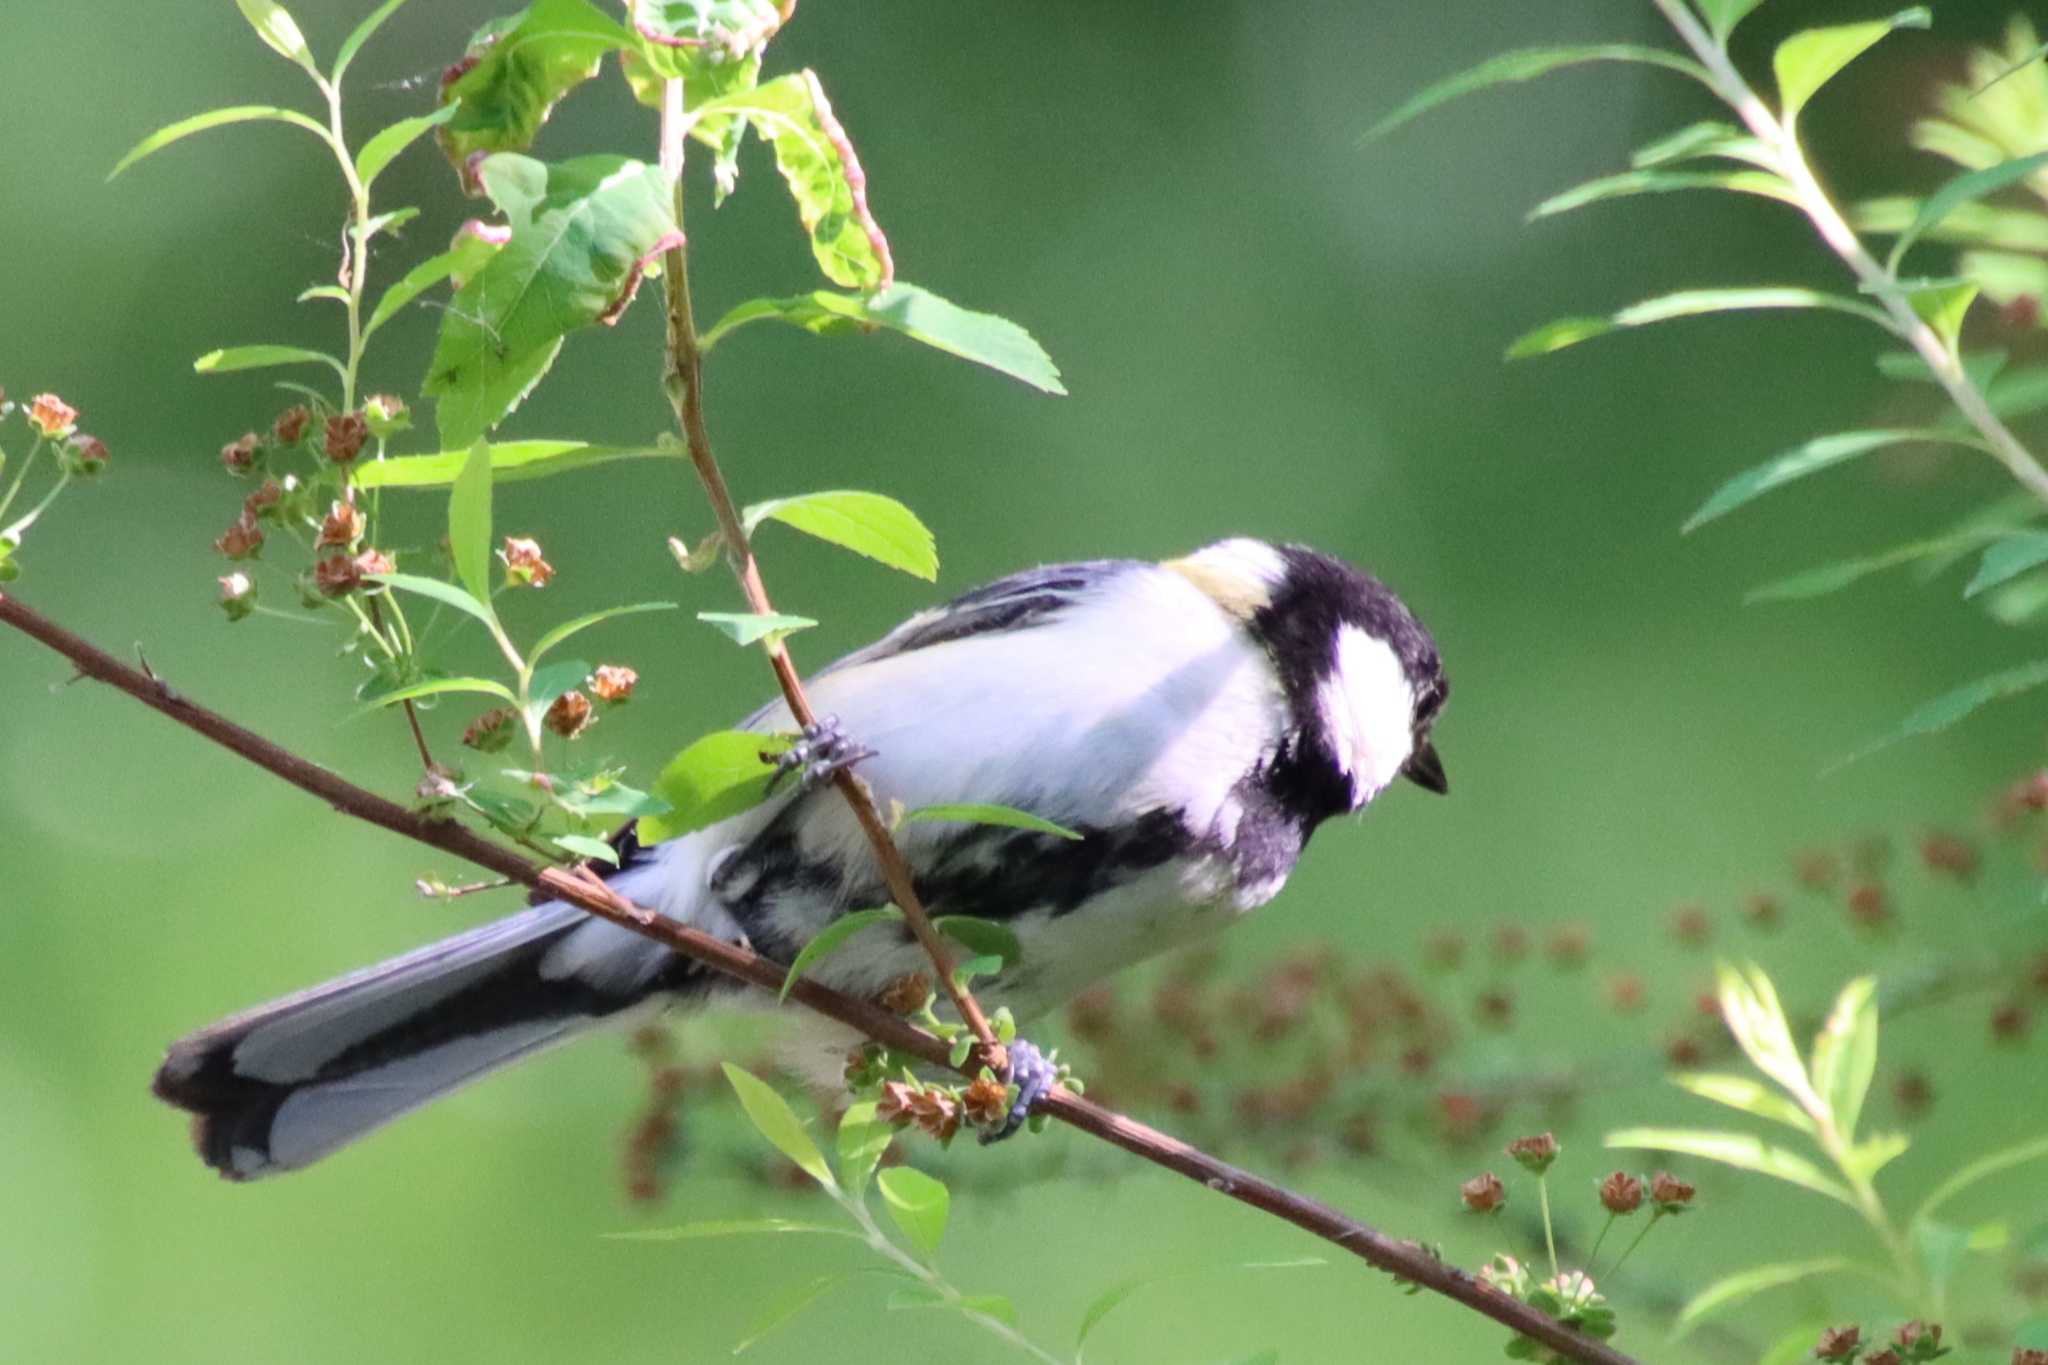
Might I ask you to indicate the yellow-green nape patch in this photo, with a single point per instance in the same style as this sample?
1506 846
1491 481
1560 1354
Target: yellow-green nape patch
1238 575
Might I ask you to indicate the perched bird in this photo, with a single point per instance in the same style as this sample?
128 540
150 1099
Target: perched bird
1194 721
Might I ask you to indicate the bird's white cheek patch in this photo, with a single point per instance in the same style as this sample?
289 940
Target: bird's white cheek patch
1368 711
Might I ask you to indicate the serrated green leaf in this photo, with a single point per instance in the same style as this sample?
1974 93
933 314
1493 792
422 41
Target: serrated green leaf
986 937
584 846
776 1121
1982 1169
1845 1054
868 524
1807 61
524 64
1962 190
1739 1150
433 687
214 118
1834 577
582 231
922 316
824 177
987 813
469 522
582 623
786 1307
1565 332
2007 559
262 357
862 1139
713 778
917 1204
1750 1096
362 33
447 594
384 147
1822 452
1527 64
1730 1290
510 462
1764 184
752 627
725 1227
833 937
1724 15
276 27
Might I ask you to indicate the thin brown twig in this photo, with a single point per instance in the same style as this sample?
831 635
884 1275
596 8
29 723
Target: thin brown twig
684 381
1404 1259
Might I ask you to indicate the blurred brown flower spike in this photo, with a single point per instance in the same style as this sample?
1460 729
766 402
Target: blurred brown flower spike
1534 1154
613 683
1839 1344
570 715
52 416
525 567
1484 1193
1621 1193
1671 1194
346 434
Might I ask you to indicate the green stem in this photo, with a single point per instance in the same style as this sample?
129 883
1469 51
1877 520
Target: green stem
27 519
1549 1237
359 243
21 474
1593 1259
1629 1250
937 1283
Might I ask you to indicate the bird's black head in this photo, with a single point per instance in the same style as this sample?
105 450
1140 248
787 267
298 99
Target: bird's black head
1361 674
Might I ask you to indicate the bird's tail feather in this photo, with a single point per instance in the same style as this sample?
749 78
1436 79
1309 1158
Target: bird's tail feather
282 1085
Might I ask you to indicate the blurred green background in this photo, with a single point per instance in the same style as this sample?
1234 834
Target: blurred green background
1265 329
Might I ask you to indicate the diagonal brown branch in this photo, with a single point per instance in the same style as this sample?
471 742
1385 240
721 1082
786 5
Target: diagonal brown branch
1404 1259
685 384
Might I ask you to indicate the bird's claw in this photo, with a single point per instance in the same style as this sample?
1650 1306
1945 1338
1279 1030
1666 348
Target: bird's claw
1034 1076
822 754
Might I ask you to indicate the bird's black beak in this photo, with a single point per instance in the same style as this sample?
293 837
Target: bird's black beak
1426 770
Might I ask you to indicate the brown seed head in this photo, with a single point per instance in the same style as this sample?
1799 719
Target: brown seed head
346 434
1817 869
343 526
906 994
52 416
239 456
570 715
264 501
85 455
243 540
525 567
1839 1343
1913 1093
491 731
897 1104
336 576
1621 1193
1625 992
1691 926
2029 1355
1569 945
937 1113
986 1102
1949 855
1883 1356
613 683
1869 905
1534 1154
290 427
1484 1193
1684 1051
2011 1022
374 561
1762 910
1670 1193
1918 1337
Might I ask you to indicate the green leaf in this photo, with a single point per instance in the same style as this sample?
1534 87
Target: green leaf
1750 1008
750 628
262 357
276 27
1864 1160
785 1307
1740 1092
1951 707
777 1122
727 1227
868 524
1739 1150
458 262
1845 1054
831 938
1942 304
549 682
713 778
383 148
1962 190
323 291
361 34
1565 332
582 232
583 846
1105 1303
995 1306
987 937
1724 15
510 461
1979 367
447 594
1527 64
983 338
469 522
433 687
1834 577
1807 61
862 1140
1733 1289
1764 184
2008 558
917 1203
523 65
1983 1168
984 813
824 177
214 118
1708 138
583 623
1795 1347
1822 452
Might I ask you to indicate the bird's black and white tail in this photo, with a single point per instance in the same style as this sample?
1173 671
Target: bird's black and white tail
282 1085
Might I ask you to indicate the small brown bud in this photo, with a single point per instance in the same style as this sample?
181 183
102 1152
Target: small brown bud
1510 943
85 455
243 540
1691 926
1684 1051
336 576
1670 1193
264 501
937 1113
1569 945
237 596
1913 1093
1444 949
1625 993
613 683
290 427
1534 1154
1817 869
1869 905
491 731
906 994
570 715
1839 1343
1949 855
343 526
1883 1356
1496 1009
2010 1022
52 416
1621 1193
1917 1337
897 1104
986 1102
239 456
1484 1193
1762 910
524 565
2023 311
374 561
346 434
2029 1355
